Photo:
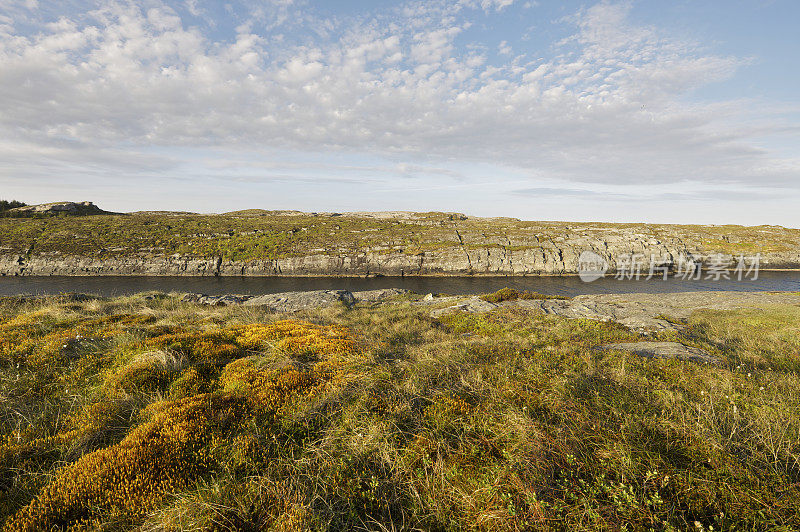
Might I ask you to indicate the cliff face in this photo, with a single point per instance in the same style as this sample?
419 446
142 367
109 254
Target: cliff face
402 244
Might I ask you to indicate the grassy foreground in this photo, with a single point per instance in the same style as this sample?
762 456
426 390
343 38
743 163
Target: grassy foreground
147 413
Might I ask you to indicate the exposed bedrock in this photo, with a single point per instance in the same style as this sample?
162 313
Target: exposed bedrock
455 252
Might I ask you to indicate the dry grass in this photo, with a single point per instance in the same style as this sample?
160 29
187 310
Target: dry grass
153 414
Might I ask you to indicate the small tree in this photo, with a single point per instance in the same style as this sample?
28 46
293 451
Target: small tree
13 204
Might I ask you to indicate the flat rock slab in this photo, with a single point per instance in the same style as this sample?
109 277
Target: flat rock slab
281 302
647 312
632 315
292 301
668 350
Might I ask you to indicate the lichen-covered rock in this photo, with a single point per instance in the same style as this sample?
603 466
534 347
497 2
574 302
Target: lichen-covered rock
281 302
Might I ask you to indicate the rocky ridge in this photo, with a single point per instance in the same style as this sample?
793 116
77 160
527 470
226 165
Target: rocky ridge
364 244
84 208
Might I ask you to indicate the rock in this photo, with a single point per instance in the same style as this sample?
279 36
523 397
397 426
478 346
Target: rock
83 208
647 312
217 301
378 295
429 297
668 350
281 302
632 316
471 305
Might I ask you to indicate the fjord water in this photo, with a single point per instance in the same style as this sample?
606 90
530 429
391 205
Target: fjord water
555 285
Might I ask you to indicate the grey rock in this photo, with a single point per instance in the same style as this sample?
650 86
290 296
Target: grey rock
668 350
647 312
217 301
281 302
292 301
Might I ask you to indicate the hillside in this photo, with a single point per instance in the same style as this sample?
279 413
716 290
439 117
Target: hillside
294 243
60 208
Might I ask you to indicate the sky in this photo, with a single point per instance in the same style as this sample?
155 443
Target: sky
621 111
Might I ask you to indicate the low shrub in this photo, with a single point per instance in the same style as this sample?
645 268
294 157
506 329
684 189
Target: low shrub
512 294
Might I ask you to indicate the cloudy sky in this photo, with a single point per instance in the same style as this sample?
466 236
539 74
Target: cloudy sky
685 111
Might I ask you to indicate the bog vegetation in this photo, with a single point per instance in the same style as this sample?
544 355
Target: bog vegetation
147 413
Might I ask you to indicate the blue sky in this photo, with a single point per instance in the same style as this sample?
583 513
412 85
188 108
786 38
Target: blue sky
676 112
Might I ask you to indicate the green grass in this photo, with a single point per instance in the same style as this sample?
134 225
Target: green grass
383 418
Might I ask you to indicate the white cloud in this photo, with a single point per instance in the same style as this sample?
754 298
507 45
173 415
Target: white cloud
607 107
504 48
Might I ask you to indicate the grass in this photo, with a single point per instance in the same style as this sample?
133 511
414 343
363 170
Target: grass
153 414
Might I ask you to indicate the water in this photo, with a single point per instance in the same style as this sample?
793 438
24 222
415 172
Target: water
557 285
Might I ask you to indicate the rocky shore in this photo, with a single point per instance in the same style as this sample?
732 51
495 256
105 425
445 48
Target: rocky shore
360 244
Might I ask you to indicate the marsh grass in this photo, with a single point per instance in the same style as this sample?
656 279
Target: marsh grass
144 412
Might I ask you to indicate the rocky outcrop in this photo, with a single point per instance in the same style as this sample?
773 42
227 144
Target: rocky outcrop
643 313
294 301
84 208
667 350
389 244
281 302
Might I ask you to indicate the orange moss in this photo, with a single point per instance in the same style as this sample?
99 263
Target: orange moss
174 445
131 478
297 337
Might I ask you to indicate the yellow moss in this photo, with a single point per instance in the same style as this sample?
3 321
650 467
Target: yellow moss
274 391
140 376
292 520
174 445
297 337
190 382
199 346
130 479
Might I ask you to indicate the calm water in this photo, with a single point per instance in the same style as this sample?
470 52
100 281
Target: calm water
567 286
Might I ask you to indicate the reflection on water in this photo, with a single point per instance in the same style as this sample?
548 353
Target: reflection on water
567 285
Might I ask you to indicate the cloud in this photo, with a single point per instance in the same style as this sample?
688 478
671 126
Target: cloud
704 195
608 106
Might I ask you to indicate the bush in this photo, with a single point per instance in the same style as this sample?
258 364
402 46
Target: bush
8 205
512 294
